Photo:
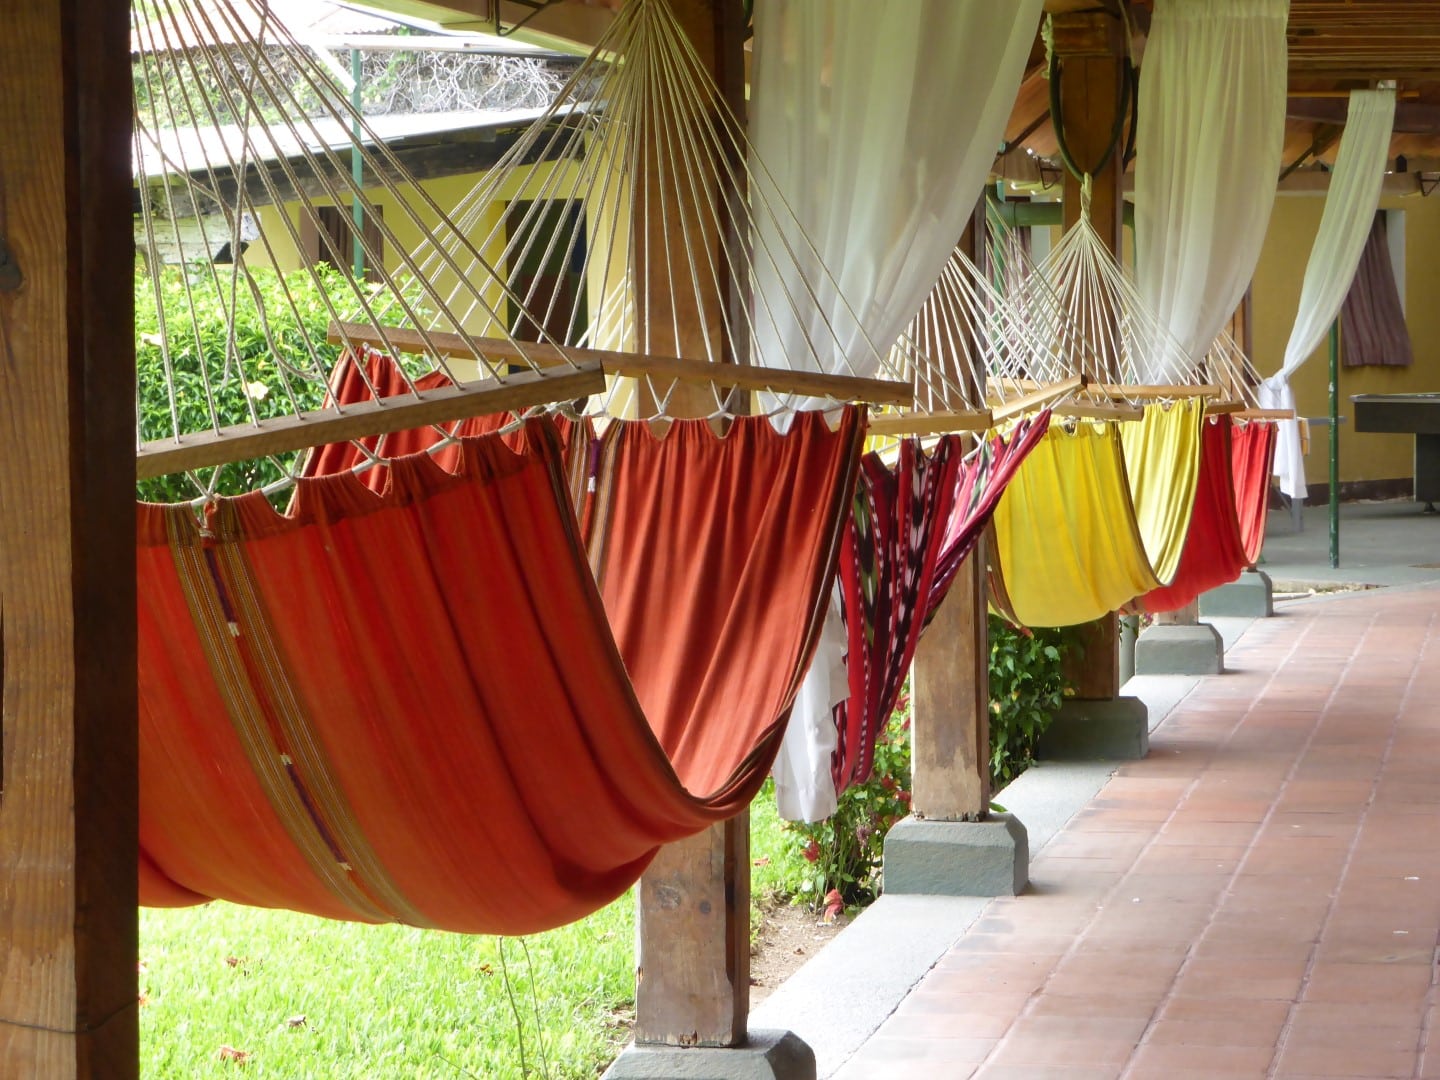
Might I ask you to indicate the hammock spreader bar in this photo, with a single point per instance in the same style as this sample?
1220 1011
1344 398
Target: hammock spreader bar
635 365
241 442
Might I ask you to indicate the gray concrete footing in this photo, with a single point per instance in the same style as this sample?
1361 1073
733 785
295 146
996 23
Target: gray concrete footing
1116 729
1250 596
957 858
766 1055
1179 649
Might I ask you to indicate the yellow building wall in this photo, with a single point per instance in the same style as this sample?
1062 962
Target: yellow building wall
1276 296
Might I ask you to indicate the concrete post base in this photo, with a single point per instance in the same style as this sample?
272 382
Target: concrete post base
1178 649
1117 729
1251 596
767 1055
957 858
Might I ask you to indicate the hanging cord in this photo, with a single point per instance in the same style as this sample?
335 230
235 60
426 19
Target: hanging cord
1125 88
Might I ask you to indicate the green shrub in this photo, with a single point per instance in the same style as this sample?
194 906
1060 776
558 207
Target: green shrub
843 853
220 332
1027 685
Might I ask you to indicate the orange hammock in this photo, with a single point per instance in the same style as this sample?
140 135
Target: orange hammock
411 706
1213 553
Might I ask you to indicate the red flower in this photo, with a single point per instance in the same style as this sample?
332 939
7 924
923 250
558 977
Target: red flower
812 851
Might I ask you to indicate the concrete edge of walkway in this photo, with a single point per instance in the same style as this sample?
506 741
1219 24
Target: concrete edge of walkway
840 997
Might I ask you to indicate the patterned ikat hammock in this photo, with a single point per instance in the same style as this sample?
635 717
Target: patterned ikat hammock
909 531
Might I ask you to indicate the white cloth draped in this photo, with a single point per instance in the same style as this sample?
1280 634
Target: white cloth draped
1208 147
1350 204
876 122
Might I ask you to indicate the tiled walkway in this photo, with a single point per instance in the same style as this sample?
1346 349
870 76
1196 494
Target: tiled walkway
1259 897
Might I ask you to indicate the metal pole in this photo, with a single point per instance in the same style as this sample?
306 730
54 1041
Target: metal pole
357 172
1335 444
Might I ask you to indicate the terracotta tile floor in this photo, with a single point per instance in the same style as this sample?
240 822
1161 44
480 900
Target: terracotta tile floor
1260 897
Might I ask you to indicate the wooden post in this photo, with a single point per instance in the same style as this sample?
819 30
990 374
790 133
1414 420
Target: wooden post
693 938
1089 46
68 819
950 678
950 696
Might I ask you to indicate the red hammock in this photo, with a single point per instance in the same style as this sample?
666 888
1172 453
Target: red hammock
411 706
1214 554
896 566
1253 454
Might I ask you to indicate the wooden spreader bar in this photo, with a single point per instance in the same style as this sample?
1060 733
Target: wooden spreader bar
1265 414
243 442
1084 410
1155 392
1039 398
937 423
633 365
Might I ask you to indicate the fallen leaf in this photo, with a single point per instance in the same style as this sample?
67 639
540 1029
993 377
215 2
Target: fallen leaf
296 1021
234 961
144 999
764 860
229 1053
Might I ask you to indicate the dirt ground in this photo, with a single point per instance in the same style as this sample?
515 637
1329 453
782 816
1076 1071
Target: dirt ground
789 934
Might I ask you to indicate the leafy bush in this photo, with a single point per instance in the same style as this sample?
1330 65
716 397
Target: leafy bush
202 310
1027 686
844 852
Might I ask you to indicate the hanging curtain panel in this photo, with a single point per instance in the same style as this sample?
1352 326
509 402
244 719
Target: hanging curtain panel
1372 322
876 122
868 118
1344 227
1208 148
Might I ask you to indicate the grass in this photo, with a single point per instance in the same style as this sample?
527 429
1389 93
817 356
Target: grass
305 998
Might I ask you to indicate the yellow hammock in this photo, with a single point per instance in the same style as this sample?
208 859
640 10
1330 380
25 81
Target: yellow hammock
1162 464
1067 548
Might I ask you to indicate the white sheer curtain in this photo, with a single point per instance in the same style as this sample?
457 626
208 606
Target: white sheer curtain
1208 148
1344 225
876 122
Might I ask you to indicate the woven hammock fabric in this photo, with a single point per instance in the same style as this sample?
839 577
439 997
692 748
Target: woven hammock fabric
410 705
909 531
1162 466
1067 548
1252 448
1214 552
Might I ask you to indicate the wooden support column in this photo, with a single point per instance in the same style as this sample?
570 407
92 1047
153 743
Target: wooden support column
69 812
950 698
1090 48
693 938
950 679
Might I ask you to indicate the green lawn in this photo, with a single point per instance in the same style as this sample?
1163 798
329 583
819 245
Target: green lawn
306 998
